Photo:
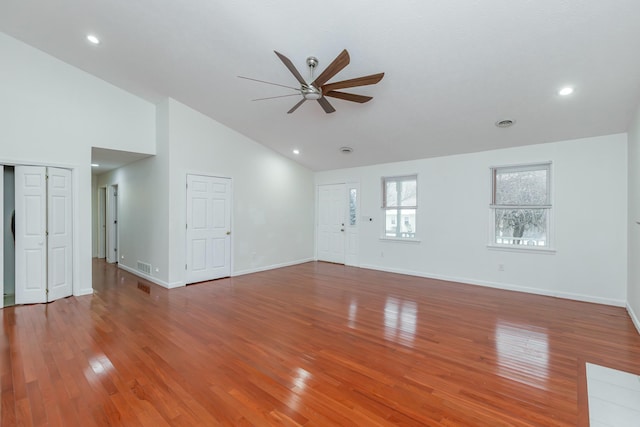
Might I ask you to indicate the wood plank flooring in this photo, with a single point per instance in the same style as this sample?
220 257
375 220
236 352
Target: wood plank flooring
312 345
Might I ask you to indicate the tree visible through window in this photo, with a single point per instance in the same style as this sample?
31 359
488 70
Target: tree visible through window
521 203
400 205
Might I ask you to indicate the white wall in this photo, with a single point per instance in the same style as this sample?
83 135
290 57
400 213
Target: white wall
52 114
590 190
143 207
273 197
633 289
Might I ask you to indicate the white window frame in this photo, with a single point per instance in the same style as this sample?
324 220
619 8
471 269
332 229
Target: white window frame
400 178
493 244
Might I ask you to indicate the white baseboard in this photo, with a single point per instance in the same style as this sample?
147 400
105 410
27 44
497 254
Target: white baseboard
83 292
634 317
151 278
504 286
271 267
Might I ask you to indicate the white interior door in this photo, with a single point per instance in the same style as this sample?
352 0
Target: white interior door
112 224
208 228
59 239
102 222
331 223
30 223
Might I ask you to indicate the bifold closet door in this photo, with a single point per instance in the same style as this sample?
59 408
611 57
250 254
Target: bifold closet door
43 262
31 234
59 241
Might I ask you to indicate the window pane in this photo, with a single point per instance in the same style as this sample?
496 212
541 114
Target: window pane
521 227
408 196
353 202
400 223
391 193
528 187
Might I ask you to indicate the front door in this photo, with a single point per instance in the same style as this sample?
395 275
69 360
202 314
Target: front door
208 228
331 222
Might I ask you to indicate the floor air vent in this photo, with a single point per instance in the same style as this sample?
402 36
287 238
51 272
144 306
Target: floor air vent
144 267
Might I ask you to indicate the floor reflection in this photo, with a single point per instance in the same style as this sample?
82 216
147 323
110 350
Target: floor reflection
523 353
353 312
400 318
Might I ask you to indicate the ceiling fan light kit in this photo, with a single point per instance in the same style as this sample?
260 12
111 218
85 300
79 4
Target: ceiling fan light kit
318 89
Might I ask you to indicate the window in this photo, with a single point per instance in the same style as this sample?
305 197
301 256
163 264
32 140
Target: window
353 204
521 203
400 205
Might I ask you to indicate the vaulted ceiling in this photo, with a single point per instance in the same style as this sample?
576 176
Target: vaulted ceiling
452 67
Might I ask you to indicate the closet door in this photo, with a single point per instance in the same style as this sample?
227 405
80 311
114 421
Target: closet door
59 262
31 239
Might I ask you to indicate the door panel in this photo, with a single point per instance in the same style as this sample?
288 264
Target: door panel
30 225
208 228
59 266
331 223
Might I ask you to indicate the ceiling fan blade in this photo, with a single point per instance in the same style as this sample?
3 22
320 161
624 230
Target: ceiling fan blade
269 83
349 96
359 81
274 97
287 62
328 108
334 68
295 107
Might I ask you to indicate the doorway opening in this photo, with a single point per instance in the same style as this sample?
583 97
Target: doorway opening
8 232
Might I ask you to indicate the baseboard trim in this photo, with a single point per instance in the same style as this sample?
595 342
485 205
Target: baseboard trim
271 267
634 318
503 286
150 278
83 292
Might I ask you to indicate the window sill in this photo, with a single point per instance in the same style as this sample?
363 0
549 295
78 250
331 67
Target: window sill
400 239
522 248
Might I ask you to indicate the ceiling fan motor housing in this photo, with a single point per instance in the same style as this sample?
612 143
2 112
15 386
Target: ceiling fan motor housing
311 92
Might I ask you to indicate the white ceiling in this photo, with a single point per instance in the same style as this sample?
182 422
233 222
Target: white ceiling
453 67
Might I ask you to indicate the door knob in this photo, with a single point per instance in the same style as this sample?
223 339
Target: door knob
228 233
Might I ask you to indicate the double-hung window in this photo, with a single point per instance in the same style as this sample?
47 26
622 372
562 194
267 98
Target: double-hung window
521 205
400 206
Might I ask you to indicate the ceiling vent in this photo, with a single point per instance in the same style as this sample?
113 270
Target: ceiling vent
505 123
346 150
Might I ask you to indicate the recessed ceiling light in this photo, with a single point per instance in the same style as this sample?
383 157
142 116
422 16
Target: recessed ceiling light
505 123
296 151
94 165
93 39
346 150
565 91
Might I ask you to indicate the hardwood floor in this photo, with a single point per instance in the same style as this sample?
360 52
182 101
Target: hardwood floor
314 345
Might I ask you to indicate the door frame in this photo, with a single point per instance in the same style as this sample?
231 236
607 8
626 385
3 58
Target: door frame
2 236
76 185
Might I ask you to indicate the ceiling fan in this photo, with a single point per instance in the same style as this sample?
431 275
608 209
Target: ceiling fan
318 89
